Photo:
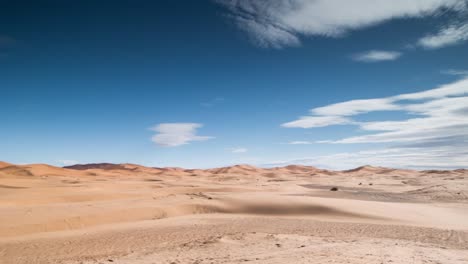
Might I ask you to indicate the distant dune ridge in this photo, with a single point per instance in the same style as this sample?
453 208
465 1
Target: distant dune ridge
109 169
242 169
132 214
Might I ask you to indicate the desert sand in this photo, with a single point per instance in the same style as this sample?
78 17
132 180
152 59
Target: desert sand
126 213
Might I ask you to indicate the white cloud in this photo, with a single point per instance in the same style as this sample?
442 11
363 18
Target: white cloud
450 35
176 134
401 157
238 150
281 23
267 35
444 101
445 110
438 118
317 121
421 133
355 107
436 115
300 143
377 55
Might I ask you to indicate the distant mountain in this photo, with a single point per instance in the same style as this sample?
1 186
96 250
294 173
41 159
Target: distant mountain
101 166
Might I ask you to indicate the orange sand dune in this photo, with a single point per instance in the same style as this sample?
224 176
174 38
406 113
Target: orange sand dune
4 164
128 213
237 169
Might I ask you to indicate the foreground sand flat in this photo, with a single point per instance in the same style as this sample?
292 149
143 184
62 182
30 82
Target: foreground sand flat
132 214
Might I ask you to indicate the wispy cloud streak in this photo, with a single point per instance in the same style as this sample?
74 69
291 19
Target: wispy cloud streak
447 36
436 115
377 56
279 24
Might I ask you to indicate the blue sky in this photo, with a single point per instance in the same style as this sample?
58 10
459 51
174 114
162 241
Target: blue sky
213 83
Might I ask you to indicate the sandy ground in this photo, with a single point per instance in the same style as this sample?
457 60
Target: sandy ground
133 214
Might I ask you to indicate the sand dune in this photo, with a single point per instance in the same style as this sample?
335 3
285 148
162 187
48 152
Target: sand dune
135 214
38 170
237 169
4 164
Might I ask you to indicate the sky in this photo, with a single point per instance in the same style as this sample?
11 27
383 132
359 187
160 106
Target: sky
330 83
